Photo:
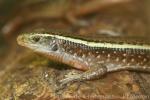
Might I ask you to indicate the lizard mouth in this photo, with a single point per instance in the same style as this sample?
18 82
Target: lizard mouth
21 40
24 41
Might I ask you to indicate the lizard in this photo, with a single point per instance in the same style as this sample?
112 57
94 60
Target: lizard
95 56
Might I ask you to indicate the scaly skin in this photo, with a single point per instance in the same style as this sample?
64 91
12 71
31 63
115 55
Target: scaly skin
95 55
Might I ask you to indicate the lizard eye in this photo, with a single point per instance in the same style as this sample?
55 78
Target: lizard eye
36 39
54 47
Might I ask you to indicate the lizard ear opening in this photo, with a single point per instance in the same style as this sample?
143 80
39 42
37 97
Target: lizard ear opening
54 47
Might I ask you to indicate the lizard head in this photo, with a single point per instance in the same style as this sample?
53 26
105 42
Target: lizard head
39 42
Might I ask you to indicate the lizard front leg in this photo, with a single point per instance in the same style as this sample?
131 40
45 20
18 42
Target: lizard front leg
93 73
